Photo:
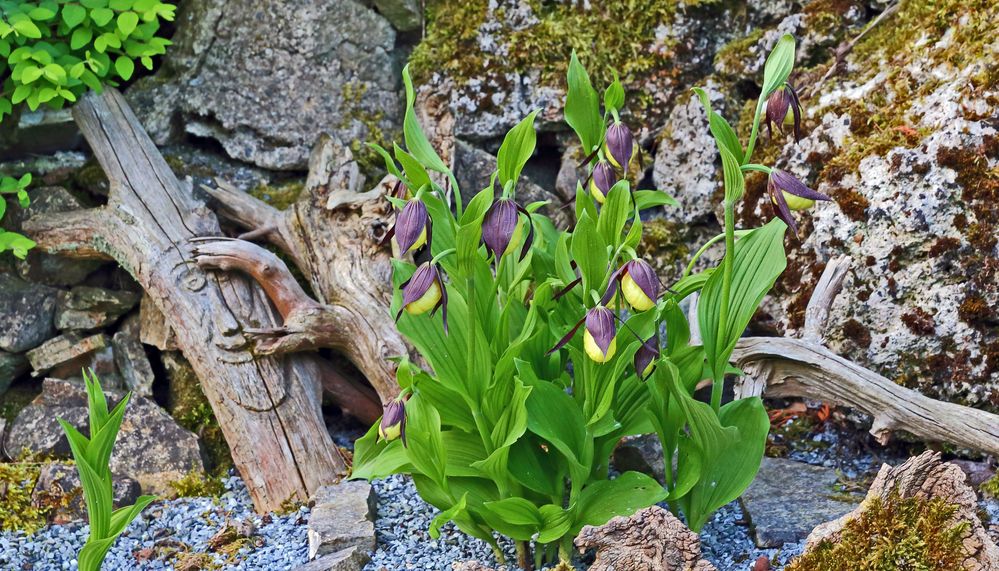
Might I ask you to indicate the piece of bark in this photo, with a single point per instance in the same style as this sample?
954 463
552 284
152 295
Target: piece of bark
651 540
332 234
268 407
925 477
153 328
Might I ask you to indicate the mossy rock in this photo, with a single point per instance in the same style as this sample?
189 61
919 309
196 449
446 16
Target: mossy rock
187 403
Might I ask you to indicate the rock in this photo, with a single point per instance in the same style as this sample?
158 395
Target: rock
12 366
69 352
978 472
788 499
130 358
59 488
297 69
3 432
473 168
41 267
349 559
41 132
405 15
470 566
85 307
643 453
651 540
342 517
151 448
153 328
925 478
26 311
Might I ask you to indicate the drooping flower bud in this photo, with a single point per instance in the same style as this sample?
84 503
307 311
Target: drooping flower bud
639 284
424 291
393 423
787 193
599 341
780 101
646 357
602 180
619 145
412 227
502 228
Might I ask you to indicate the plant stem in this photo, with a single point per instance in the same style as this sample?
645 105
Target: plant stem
524 556
728 265
756 131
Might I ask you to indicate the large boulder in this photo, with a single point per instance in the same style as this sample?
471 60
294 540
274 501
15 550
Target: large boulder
265 79
151 447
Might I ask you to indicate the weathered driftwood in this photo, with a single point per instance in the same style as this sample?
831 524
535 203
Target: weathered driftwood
925 477
332 234
782 367
268 408
651 540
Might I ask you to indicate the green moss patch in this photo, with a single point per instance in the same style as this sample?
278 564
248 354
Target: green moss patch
891 535
17 480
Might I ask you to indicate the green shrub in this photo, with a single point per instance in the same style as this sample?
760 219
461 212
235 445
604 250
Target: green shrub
512 431
13 241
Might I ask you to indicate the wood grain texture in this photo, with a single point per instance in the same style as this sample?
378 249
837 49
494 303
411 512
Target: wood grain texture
268 407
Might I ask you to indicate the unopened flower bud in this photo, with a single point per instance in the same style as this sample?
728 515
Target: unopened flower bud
599 341
639 285
779 103
619 145
412 227
424 291
393 423
602 180
502 228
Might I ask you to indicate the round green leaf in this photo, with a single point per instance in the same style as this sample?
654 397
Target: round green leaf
73 15
81 37
125 67
101 16
127 22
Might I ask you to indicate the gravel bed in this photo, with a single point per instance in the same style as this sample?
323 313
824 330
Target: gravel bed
725 541
169 529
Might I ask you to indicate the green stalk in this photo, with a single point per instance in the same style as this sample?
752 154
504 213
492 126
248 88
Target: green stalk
728 265
756 130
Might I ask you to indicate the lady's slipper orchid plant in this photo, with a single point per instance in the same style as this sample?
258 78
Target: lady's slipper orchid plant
510 426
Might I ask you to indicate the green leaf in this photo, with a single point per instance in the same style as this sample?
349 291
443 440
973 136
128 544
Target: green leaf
614 95
447 515
514 517
725 136
375 458
652 198
127 21
614 214
423 437
517 148
73 15
26 28
759 261
582 109
125 67
590 253
735 182
14 242
81 37
554 416
604 499
416 174
416 140
101 16
30 74
779 64
556 522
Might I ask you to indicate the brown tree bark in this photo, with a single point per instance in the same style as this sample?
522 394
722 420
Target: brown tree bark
268 407
333 234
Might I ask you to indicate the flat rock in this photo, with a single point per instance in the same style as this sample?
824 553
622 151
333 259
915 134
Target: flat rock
405 15
84 307
12 366
65 351
26 311
342 517
59 488
151 447
350 559
788 499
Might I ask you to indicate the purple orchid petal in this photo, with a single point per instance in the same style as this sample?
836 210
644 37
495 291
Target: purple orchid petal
777 105
783 180
411 222
498 226
600 324
418 284
530 231
645 277
646 354
567 288
796 109
604 177
780 206
568 336
612 284
620 143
